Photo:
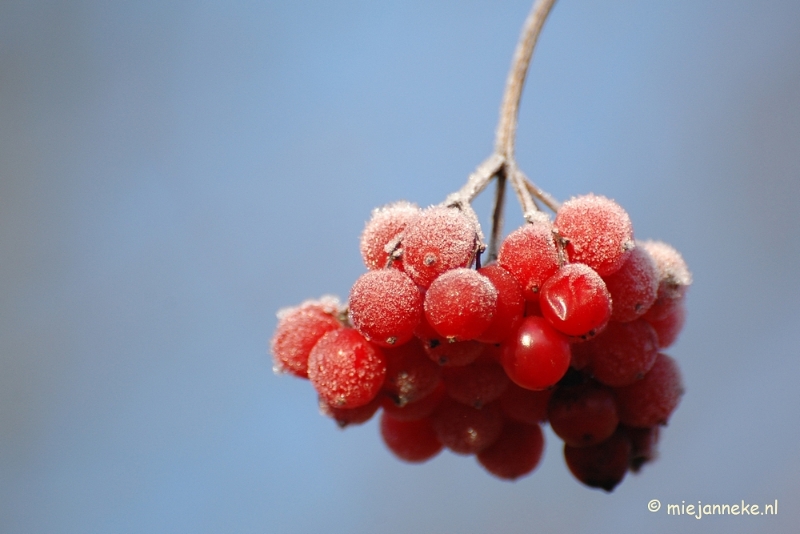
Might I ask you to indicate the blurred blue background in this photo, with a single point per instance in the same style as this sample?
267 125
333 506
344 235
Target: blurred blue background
172 173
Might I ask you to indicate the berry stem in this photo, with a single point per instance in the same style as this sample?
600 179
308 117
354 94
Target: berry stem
497 216
507 127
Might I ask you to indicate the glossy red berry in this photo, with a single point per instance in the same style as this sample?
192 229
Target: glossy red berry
575 301
417 409
536 355
598 232
346 370
386 306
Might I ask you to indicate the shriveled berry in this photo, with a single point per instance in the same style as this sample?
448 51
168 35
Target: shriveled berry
598 232
575 301
529 253
437 240
536 356
634 286
386 307
516 452
298 330
385 226
346 370
412 441
651 400
460 304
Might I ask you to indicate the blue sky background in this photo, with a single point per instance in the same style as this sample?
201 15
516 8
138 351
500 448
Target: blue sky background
172 173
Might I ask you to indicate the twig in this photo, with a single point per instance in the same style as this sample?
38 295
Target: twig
507 127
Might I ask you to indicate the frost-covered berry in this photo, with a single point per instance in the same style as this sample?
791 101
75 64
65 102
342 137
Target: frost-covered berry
299 328
437 240
460 304
385 226
651 400
634 286
598 232
529 253
346 370
674 279
385 306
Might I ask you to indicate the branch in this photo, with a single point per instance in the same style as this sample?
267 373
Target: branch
507 127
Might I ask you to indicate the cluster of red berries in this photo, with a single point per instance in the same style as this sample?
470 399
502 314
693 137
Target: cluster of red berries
566 326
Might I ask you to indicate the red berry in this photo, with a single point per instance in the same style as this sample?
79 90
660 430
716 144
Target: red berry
575 301
510 305
350 416
536 356
634 286
524 405
415 410
410 374
298 330
475 385
529 253
437 240
460 304
346 370
644 445
623 352
385 226
669 327
583 415
412 441
598 232
674 279
651 400
516 452
453 354
600 466
385 306
466 430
